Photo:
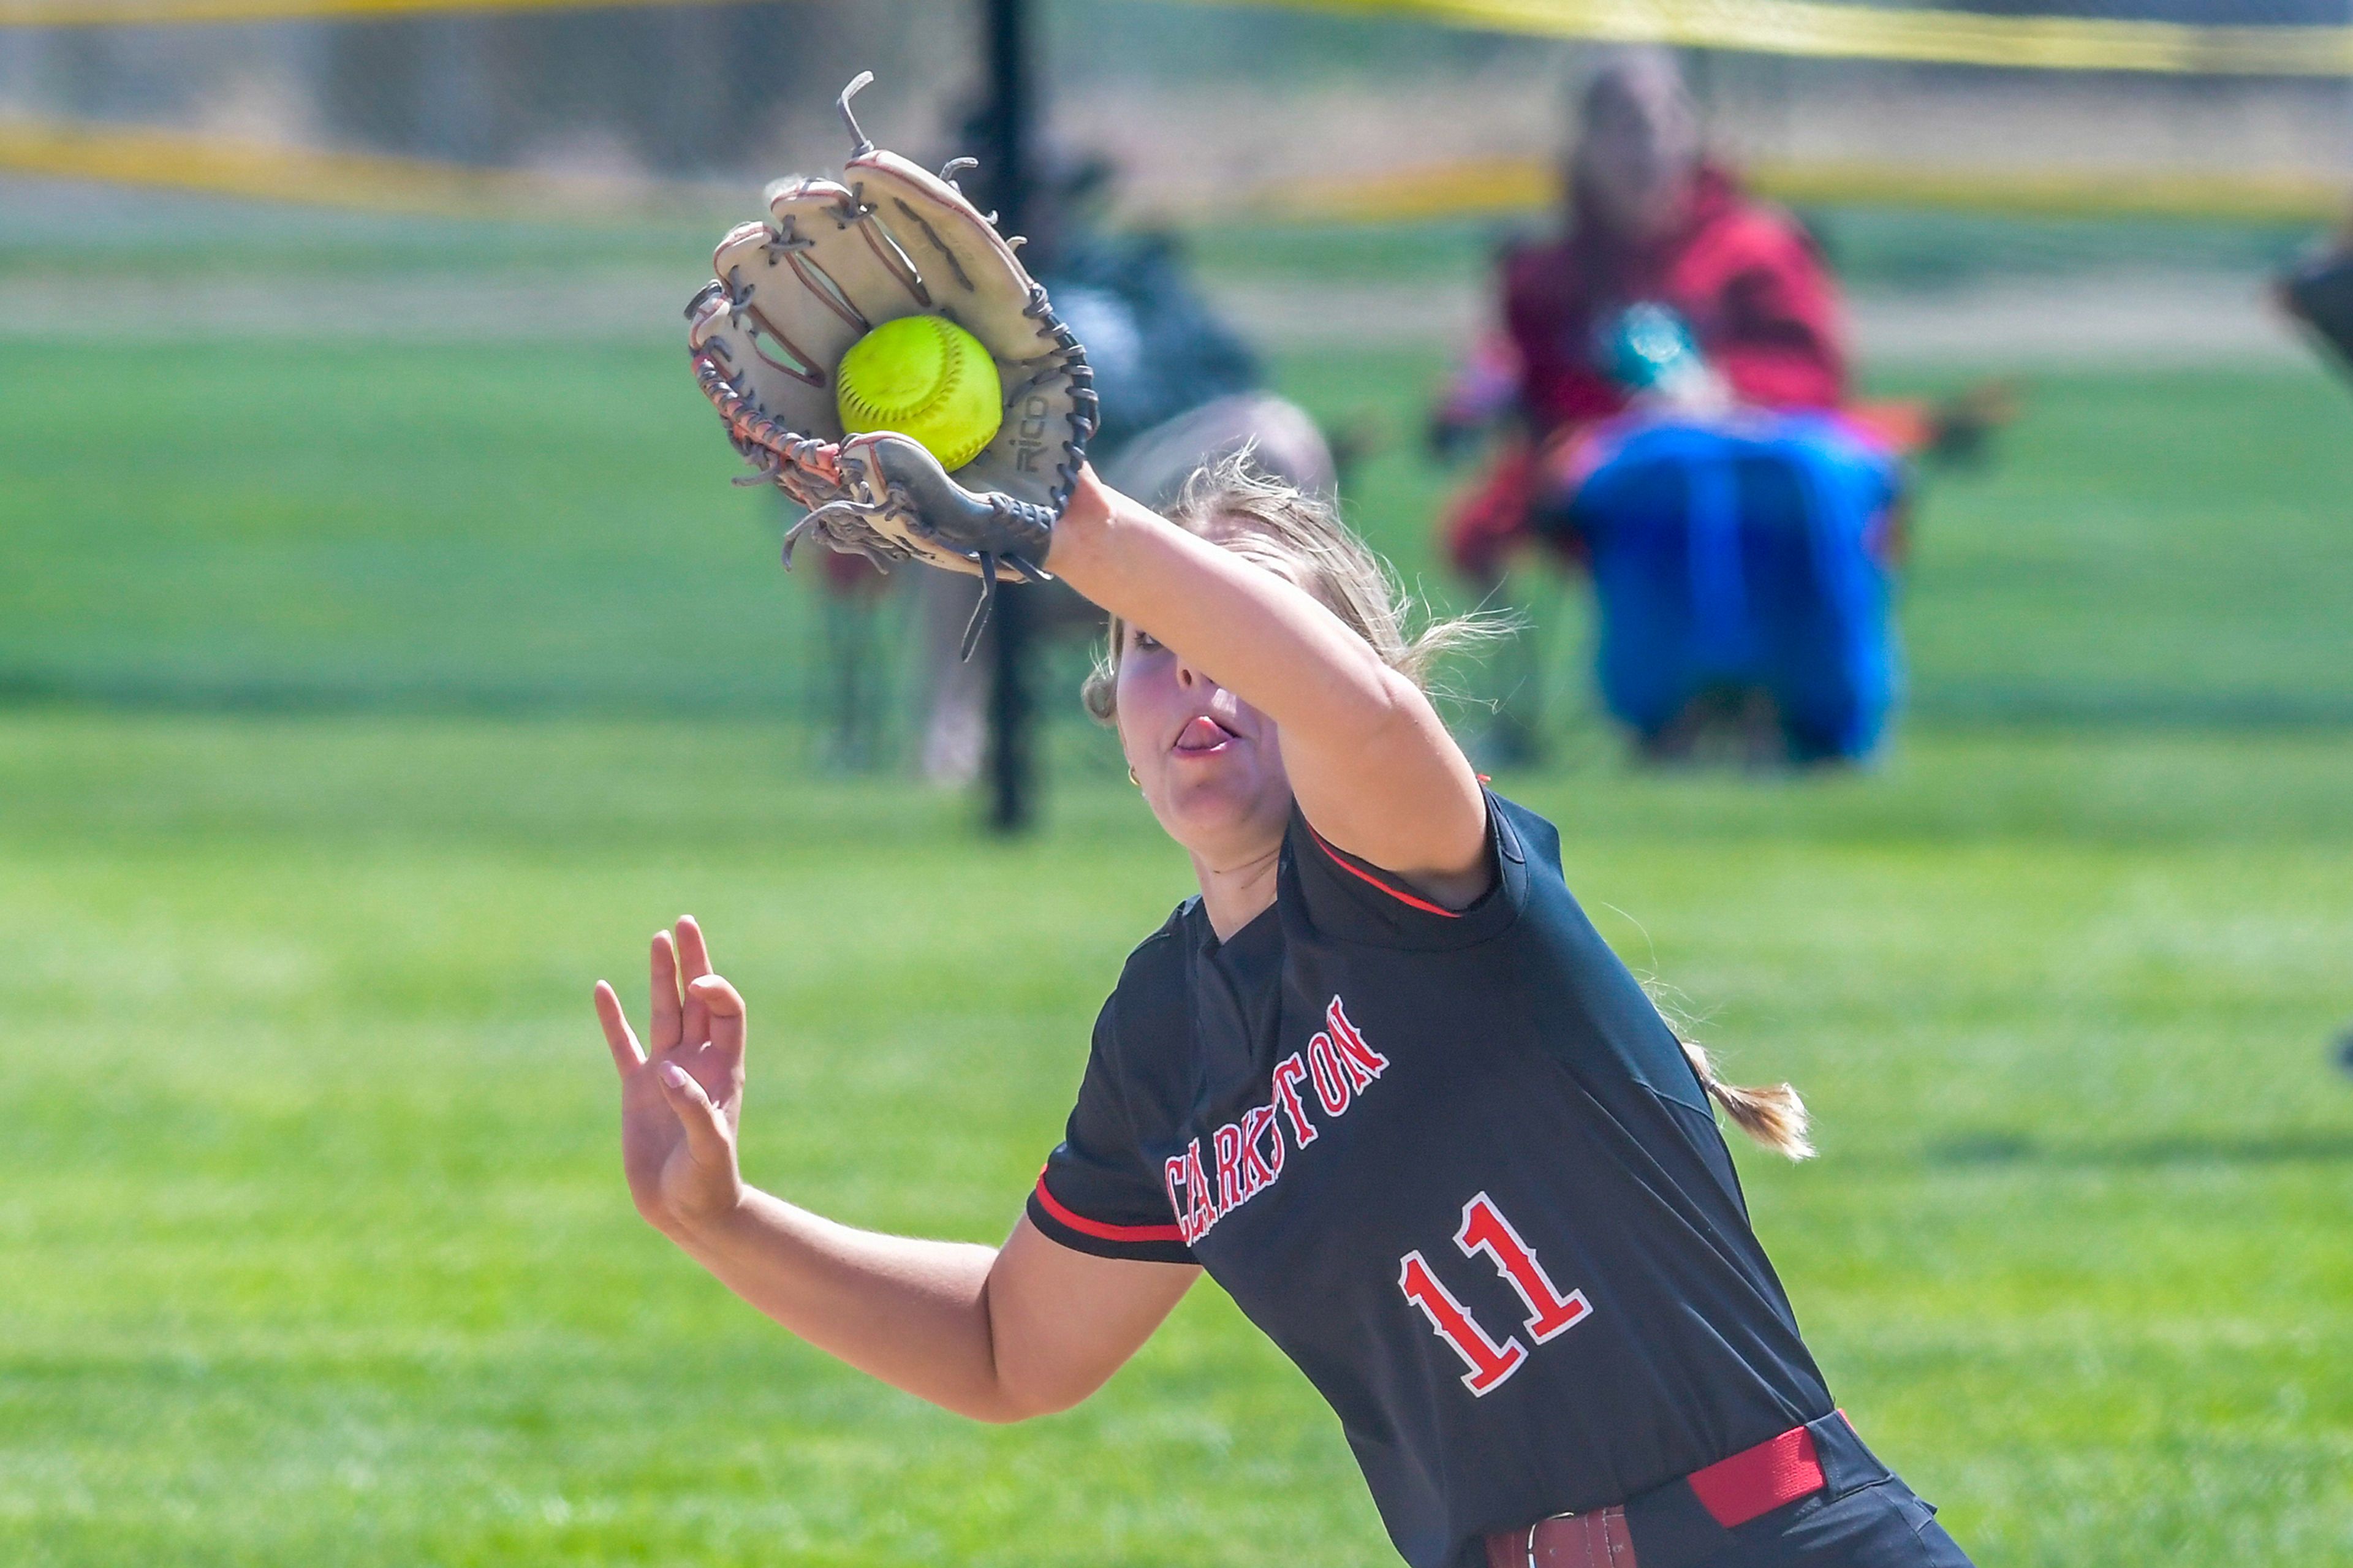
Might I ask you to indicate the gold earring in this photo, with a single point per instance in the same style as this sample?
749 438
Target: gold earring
1132 778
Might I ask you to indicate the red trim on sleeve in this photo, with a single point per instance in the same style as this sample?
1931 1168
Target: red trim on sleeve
1098 1229
1399 895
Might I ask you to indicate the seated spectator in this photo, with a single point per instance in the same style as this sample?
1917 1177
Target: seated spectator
1648 220
1670 373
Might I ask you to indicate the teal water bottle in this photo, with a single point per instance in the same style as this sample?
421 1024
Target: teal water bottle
1649 348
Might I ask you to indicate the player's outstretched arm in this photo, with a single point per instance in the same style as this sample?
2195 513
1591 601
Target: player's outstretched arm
1370 763
997 1335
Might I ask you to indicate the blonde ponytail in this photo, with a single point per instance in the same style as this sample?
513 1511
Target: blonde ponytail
1775 1117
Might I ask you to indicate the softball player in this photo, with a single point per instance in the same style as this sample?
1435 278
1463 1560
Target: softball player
1381 1078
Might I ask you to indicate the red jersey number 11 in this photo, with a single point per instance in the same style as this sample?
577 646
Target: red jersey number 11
1484 1229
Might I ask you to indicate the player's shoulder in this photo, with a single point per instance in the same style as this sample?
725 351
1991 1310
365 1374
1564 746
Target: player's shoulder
1158 968
1338 899
1530 833
1142 1032
1172 933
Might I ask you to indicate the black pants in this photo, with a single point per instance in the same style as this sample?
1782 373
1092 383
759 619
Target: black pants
1881 1525
1865 1516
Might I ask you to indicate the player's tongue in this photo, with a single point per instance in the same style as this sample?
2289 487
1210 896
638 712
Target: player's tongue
1202 733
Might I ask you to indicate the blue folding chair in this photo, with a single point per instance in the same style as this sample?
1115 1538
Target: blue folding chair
1747 557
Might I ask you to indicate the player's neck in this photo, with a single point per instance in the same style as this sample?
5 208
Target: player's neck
1234 895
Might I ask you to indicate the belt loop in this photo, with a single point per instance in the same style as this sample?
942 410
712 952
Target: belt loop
1847 1463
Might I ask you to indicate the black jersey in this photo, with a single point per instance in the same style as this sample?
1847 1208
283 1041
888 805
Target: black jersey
1458 1168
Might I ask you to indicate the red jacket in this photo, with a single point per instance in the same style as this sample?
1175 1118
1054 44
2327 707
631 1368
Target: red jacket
1744 276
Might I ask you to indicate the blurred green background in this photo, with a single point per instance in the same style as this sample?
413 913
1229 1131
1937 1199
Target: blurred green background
282 510
365 695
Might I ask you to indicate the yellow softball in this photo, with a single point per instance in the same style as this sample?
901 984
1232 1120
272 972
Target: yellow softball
925 378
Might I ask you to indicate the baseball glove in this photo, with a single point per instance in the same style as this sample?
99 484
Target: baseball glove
835 259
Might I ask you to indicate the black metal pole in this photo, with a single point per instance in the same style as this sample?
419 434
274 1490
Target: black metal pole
1012 762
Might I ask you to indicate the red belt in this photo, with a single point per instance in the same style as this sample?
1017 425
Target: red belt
1749 1485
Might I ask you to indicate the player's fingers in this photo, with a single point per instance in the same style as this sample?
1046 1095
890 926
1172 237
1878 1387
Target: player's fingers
693 963
706 1135
663 982
724 1006
694 952
617 1038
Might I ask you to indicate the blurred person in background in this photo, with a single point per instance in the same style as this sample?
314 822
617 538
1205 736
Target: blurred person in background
1647 219
1672 373
2317 294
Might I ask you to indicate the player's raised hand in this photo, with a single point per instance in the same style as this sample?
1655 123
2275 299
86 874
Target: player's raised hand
682 1096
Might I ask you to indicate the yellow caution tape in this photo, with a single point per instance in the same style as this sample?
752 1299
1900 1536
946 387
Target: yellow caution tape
1816 27
1764 27
425 187
1850 31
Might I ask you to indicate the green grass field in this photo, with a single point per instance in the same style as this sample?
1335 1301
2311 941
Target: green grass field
375 702
318 1252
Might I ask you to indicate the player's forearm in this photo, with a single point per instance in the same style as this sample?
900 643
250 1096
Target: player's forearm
1257 634
1368 759
911 1312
